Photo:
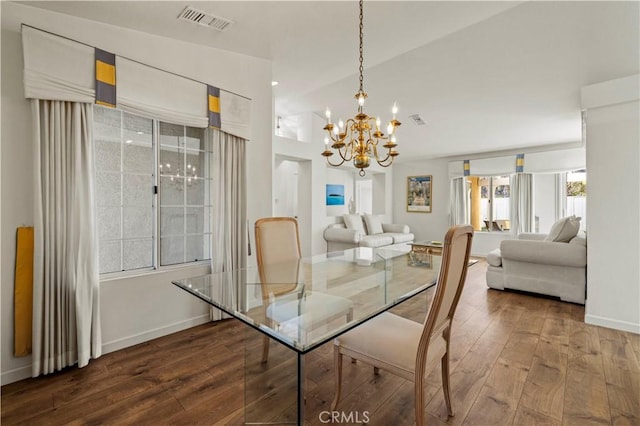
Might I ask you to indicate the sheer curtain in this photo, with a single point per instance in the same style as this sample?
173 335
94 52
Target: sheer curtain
459 204
522 203
66 305
229 195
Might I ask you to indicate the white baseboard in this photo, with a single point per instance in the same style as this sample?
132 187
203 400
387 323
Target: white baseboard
25 372
15 375
135 339
612 323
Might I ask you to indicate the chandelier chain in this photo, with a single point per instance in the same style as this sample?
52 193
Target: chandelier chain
359 137
361 57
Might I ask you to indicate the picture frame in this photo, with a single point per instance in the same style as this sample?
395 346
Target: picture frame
419 194
335 195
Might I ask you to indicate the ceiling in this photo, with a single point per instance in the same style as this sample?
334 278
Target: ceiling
484 76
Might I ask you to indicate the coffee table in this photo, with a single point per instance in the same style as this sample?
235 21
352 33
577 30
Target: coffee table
422 251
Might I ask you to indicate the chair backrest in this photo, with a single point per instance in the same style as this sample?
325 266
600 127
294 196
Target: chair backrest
278 254
453 273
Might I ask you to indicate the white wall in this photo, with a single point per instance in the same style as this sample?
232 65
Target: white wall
425 226
613 229
136 308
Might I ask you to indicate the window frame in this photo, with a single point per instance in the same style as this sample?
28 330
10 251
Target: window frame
156 208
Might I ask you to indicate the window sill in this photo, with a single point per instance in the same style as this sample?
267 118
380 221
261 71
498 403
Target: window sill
114 276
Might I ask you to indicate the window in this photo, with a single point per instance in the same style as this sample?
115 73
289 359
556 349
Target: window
489 203
138 228
185 206
577 196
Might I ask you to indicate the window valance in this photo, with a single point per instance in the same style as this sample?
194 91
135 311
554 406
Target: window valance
563 160
154 93
484 167
57 68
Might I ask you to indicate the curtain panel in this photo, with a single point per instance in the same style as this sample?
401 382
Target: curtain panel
66 305
521 203
229 218
459 205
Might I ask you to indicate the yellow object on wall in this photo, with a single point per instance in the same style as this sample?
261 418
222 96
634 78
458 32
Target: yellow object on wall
23 291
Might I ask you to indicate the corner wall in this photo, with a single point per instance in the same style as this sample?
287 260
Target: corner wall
613 228
136 308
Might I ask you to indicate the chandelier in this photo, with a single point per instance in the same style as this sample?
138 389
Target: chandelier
359 137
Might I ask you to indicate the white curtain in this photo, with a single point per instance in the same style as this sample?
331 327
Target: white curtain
521 203
459 202
560 195
66 317
229 195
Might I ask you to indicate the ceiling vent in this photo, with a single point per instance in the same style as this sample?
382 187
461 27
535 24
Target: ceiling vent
417 120
205 19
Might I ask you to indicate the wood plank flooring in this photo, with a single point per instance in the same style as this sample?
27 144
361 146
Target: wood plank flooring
516 359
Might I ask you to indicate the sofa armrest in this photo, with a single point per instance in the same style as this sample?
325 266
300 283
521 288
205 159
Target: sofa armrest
532 236
395 228
342 235
544 252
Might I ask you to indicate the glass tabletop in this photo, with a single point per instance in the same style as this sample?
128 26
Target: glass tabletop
307 302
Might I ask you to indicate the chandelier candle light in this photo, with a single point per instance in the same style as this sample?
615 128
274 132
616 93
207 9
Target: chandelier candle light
356 139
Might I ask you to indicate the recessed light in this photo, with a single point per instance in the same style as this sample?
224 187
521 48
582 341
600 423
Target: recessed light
274 83
128 141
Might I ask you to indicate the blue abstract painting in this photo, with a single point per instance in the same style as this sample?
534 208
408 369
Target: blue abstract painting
335 195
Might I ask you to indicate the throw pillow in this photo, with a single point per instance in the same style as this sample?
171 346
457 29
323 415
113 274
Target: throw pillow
353 221
564 229
374 225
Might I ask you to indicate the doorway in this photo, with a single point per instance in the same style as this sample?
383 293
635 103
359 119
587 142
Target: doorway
292 195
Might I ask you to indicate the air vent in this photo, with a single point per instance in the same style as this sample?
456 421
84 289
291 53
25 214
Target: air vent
417 120
205 19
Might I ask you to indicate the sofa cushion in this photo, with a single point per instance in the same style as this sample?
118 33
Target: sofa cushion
374 225
494 258
400 237
564 230
579 241
395 228
353 221
376 240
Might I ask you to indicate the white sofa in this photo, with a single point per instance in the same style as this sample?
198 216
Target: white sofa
535 263
365 231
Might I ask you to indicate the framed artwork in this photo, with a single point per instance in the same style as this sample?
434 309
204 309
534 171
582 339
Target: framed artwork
419 194
335 195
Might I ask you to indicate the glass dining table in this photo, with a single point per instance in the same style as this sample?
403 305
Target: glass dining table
301 305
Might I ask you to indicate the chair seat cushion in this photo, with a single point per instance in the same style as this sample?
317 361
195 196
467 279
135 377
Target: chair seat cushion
392 340
310 310
494 258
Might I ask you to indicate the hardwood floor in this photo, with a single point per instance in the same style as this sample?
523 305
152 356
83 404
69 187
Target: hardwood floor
516 359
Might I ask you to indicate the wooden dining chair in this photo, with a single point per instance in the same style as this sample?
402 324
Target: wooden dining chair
278 256
406 348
